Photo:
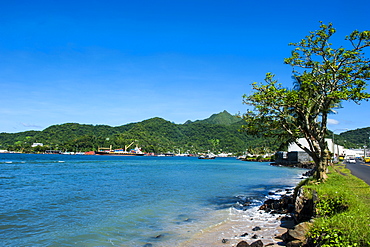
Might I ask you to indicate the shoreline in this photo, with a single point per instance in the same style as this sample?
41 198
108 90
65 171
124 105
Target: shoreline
250 225
231 233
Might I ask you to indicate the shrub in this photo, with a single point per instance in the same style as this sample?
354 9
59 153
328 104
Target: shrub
328 238
343 211
330 205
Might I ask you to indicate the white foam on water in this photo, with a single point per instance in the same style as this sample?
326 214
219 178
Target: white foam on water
241 225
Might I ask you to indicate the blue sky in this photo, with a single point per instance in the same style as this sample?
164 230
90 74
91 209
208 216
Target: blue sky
117 62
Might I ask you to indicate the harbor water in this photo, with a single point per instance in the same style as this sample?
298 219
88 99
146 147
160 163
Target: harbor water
78 200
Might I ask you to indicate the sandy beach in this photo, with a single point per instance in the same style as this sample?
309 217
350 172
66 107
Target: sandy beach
250 225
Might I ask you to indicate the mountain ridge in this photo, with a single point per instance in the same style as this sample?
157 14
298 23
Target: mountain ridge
218 132
221 132
224 118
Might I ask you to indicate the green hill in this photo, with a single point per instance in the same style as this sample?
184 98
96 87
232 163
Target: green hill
223 118
354 138
218 133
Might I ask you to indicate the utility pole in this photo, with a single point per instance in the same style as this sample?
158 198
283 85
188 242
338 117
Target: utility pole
365 151
334 144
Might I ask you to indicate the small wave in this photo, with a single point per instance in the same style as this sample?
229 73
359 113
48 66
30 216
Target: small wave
6 177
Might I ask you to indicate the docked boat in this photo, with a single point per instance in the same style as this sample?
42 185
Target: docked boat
121 152
207 157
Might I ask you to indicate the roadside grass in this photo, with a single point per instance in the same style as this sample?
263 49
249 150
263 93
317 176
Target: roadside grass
343 209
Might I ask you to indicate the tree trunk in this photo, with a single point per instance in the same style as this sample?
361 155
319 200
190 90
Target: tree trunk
321 166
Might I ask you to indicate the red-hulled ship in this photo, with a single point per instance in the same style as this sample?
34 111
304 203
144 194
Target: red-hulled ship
121 152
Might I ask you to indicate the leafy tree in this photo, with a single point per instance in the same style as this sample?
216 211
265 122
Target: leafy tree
324 77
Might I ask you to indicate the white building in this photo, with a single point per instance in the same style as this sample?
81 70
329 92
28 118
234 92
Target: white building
335 149
355 153
332 148
37 144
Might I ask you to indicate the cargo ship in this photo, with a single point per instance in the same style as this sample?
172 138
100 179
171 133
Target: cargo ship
120 152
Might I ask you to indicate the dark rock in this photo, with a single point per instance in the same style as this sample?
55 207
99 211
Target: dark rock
300 230
297 233
295 243
281 206
244 234
304 207
224 241
257 228
258 243
242 244
287 222
309 173
255 236
271 193
158 236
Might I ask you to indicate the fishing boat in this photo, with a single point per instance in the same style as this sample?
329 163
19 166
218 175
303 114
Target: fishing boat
121 152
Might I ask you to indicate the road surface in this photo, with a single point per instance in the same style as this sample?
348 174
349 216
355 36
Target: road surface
360 170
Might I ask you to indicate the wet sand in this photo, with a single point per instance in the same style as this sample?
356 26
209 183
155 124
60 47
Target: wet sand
249 225
239 227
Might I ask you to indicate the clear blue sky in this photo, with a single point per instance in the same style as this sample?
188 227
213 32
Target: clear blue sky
117 62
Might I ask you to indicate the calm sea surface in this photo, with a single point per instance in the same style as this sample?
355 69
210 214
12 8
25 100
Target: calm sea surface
62 200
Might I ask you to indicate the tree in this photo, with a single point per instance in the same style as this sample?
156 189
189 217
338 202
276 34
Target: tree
324 77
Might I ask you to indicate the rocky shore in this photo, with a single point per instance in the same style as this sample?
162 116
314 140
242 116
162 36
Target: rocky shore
294 211
282 220
305 165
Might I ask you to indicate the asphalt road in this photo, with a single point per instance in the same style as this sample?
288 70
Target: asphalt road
360 170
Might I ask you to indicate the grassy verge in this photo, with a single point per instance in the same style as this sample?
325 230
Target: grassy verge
343 209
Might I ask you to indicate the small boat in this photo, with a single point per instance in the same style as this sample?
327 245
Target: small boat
207 157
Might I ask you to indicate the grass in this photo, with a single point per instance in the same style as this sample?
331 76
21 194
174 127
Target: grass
343 209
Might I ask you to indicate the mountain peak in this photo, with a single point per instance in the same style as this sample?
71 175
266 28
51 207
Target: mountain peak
223 118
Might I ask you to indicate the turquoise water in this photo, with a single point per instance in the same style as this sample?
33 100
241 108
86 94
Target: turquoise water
62 200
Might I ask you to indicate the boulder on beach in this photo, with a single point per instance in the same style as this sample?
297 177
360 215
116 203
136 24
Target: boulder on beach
257 228
297 233
279 206
257 243
242 244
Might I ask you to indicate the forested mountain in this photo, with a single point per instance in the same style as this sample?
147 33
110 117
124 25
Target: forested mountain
218 133
354 138
223 118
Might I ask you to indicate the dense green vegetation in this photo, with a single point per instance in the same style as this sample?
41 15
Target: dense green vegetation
219 133
354 138
342 209
325 76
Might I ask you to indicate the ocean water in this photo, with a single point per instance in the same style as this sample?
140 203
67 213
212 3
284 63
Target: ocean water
72 200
